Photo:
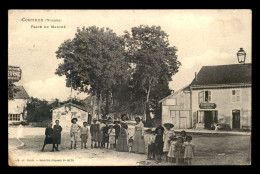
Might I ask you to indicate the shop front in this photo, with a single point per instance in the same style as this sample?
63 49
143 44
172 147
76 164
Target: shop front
207 116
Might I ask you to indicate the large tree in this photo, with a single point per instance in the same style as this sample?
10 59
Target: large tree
38 110
12 90
94 62
149 50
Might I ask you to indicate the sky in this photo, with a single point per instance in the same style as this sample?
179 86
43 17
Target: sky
203 37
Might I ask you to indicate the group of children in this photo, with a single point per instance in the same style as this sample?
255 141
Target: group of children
179 150
162 140
53 136
103 134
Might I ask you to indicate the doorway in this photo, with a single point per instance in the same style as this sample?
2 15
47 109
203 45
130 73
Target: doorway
208 119
236 119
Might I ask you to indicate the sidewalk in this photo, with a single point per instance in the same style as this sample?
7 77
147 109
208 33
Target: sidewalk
205 131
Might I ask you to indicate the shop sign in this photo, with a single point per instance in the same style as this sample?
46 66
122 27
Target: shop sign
207 106
14 73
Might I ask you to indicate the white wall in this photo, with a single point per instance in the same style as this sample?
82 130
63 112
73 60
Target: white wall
182 107
65 118
222 98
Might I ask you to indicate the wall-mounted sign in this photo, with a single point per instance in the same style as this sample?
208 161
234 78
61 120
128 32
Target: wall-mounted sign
207 105
236 111
14 73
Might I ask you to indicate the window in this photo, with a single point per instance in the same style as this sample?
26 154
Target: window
14 117
201 94
207 96
204 96
235 95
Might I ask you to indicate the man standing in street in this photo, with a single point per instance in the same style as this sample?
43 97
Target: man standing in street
84 135
94 130
74 132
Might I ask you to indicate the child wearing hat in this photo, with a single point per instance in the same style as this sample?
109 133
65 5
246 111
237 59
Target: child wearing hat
74 129
112 136
94 130
84 135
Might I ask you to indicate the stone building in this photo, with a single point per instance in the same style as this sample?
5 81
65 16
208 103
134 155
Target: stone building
218 94
64 113
17 107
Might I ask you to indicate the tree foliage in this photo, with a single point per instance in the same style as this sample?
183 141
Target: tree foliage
128 73
93 61
38 110
12 90
155 61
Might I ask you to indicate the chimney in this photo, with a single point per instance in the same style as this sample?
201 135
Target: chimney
196 79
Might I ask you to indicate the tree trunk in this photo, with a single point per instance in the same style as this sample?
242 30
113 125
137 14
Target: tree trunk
147 109
93 106
99 109
107 103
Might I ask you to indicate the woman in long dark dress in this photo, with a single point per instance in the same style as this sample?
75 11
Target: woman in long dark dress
48 137
117 130
122 138
158 145
105 134
56 135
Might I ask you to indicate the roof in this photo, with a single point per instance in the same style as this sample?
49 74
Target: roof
72 104
185 88
21 94
224 75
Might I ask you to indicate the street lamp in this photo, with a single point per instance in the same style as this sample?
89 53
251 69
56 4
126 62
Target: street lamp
241 56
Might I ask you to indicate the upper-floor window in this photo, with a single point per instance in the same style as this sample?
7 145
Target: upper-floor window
207 96
236 95
204 96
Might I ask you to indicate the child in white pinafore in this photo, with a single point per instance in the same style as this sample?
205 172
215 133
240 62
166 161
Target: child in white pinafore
112 136
168 132
189 150
171 153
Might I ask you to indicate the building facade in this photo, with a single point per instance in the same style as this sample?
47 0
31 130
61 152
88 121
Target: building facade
218 94
176 109
64 113
17 107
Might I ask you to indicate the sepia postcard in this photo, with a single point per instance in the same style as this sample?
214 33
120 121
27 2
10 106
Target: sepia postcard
129 87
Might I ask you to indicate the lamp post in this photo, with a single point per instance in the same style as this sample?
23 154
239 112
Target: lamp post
241 56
